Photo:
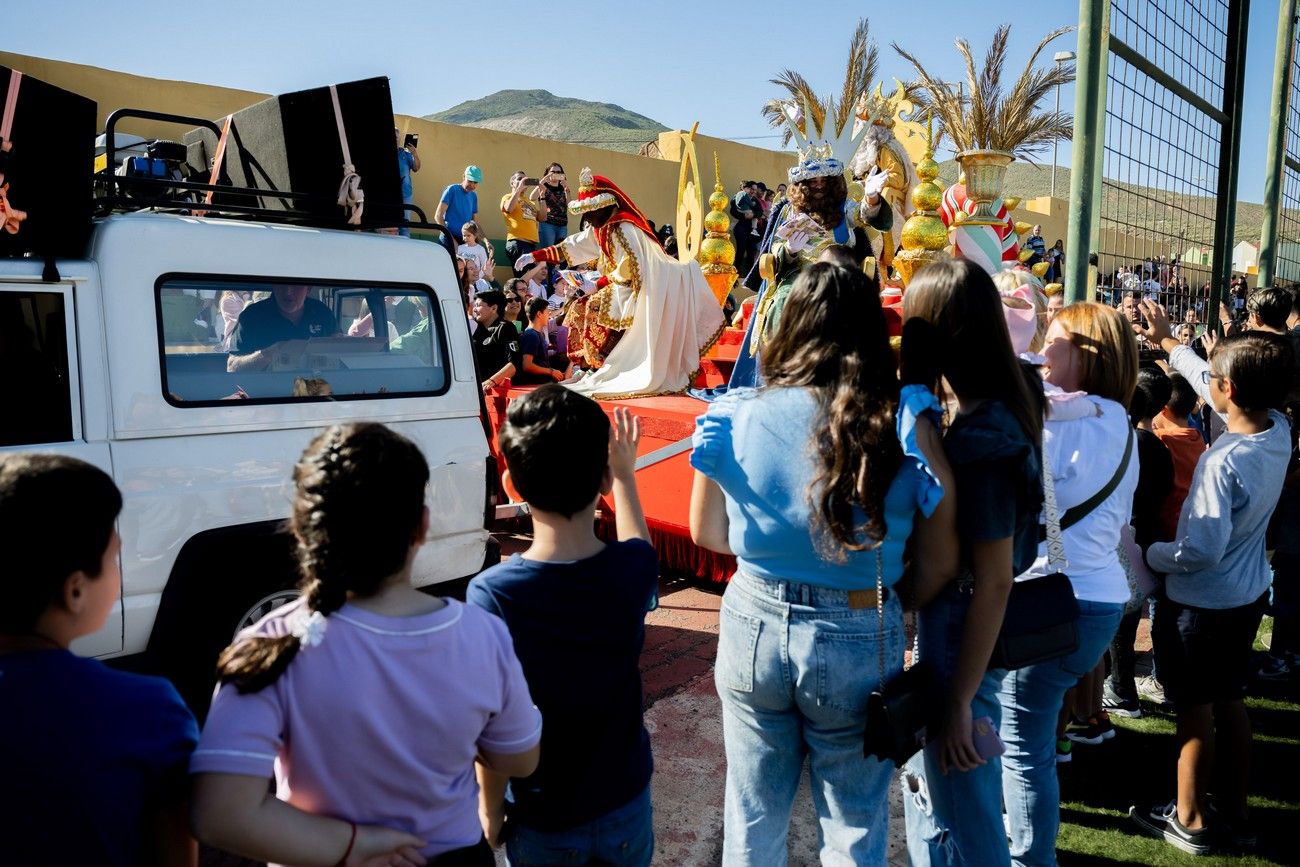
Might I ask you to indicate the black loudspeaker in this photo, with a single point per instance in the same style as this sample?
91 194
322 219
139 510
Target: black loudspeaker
47 168
291 143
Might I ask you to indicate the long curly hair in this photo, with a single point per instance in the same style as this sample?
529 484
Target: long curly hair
358 503
834 341
825 205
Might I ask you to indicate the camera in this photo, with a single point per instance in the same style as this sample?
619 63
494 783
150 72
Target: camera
531 182
412 140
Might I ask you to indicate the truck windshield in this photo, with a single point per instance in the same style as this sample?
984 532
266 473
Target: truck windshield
236 339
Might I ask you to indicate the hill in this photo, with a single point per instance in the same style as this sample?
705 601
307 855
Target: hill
1149 209
542 114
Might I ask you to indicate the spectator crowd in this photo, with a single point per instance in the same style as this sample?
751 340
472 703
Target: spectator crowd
1107 463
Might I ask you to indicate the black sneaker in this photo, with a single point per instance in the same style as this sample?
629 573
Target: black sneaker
1272 667
1091 732
1118 706
1162 821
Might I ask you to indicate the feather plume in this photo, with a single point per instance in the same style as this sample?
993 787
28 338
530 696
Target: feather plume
986 117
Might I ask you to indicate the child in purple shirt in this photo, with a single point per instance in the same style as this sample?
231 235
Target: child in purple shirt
368 699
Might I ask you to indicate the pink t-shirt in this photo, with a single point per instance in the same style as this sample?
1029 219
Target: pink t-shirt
379 723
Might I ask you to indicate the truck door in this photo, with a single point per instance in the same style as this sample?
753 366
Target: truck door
38 357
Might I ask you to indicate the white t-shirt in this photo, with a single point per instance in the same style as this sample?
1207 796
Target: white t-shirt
475 252
1083 454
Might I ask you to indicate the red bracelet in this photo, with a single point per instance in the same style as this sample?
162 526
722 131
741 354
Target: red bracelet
352 841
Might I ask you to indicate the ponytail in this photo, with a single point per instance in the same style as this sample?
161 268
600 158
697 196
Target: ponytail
359 502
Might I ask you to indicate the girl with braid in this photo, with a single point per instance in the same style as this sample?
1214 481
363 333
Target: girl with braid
367 699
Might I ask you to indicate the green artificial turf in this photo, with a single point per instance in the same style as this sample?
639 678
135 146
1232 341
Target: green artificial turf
1137 767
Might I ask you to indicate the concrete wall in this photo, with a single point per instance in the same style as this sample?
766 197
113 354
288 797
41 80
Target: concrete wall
445 149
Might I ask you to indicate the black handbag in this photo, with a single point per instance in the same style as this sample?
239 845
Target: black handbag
898 712
1042 616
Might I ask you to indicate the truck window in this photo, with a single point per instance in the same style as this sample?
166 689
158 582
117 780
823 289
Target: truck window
34 354
237 339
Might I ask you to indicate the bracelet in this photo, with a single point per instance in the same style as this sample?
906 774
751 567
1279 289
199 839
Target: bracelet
352 841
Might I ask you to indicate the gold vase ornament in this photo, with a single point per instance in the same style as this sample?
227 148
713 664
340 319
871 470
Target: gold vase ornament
924 236
717 252
986 173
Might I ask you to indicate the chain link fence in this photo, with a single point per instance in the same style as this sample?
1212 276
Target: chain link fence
1286 271
1164 145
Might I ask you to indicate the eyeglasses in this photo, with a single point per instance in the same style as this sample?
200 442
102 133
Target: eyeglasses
1209 376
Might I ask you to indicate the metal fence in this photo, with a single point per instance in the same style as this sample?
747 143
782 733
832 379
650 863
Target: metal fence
1169 150
1286 270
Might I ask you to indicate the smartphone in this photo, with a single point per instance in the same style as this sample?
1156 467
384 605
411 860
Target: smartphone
987 742
530 182
412 140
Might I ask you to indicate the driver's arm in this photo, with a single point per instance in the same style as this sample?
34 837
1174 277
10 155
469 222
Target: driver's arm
259 359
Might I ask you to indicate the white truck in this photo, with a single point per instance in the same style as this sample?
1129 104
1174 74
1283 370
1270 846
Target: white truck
124 362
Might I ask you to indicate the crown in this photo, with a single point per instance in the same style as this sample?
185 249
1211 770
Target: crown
876 108
820 155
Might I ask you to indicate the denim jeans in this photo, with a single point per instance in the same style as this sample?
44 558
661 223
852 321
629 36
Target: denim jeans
548 235
795 666
621 838
1031 700
954 818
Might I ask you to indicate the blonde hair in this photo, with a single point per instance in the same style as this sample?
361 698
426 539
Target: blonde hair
1108 356
1009 281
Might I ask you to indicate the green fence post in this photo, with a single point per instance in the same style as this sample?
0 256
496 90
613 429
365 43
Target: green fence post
1286 22
1088 147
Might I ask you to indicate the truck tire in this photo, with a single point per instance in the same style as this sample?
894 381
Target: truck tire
220 580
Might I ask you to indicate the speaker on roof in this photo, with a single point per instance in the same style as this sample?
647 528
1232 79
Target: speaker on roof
47 156
295 142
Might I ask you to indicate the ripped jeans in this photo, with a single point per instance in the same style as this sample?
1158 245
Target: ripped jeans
954 819
795 666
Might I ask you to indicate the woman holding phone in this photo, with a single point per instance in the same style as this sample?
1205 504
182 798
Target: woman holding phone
554 225
523 207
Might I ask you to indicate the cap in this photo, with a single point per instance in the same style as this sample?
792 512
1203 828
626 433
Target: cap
474 173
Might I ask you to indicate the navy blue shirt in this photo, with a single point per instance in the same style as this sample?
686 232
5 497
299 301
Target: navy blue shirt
262 324
578 628
999 481
85 752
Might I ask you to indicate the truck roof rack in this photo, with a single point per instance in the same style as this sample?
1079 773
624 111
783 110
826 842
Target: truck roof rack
117 194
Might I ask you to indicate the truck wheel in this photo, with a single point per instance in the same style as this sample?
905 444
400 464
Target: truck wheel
221 582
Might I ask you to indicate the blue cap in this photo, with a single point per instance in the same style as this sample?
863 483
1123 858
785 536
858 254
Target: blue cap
474 173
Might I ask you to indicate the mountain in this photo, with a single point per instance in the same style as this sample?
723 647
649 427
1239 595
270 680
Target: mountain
542 114
1149 209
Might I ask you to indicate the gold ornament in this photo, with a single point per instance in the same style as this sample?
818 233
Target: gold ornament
717 253
986 172
924 235
689 217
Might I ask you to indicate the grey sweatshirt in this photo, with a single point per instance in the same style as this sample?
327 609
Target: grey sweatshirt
1217 557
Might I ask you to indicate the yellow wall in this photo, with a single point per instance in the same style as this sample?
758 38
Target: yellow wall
445 149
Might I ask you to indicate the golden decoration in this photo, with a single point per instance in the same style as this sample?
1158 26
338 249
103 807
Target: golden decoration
986 172
717 253
924 235
690 213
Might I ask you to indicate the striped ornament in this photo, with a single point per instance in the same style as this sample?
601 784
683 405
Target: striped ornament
988 246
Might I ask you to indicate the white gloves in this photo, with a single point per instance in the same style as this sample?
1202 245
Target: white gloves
524 261
874 183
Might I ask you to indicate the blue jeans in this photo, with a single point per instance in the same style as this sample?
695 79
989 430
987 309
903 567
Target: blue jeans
548 235
795 666
957 818
1031 700
623 837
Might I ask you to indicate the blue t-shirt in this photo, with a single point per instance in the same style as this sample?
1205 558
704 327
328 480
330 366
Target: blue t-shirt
85 751
755 444
405 162
462 205
999 481
578 628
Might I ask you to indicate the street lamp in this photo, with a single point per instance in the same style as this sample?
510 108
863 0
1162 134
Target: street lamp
1060 57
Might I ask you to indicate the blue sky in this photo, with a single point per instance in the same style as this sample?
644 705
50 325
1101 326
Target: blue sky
674 61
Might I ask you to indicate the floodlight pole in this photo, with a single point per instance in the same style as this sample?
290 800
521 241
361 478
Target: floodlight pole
1061 57
1277 158
1087 149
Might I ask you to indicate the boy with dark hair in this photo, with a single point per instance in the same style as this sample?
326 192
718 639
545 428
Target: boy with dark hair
576 608
1268 308
94 759
1216 585
534 366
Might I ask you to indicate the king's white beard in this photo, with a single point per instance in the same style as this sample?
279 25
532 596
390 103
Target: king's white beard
868 152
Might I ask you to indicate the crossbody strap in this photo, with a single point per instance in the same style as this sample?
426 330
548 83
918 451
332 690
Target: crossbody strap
1055 546
1075 514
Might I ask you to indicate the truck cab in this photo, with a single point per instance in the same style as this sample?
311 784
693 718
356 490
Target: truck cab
130 361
